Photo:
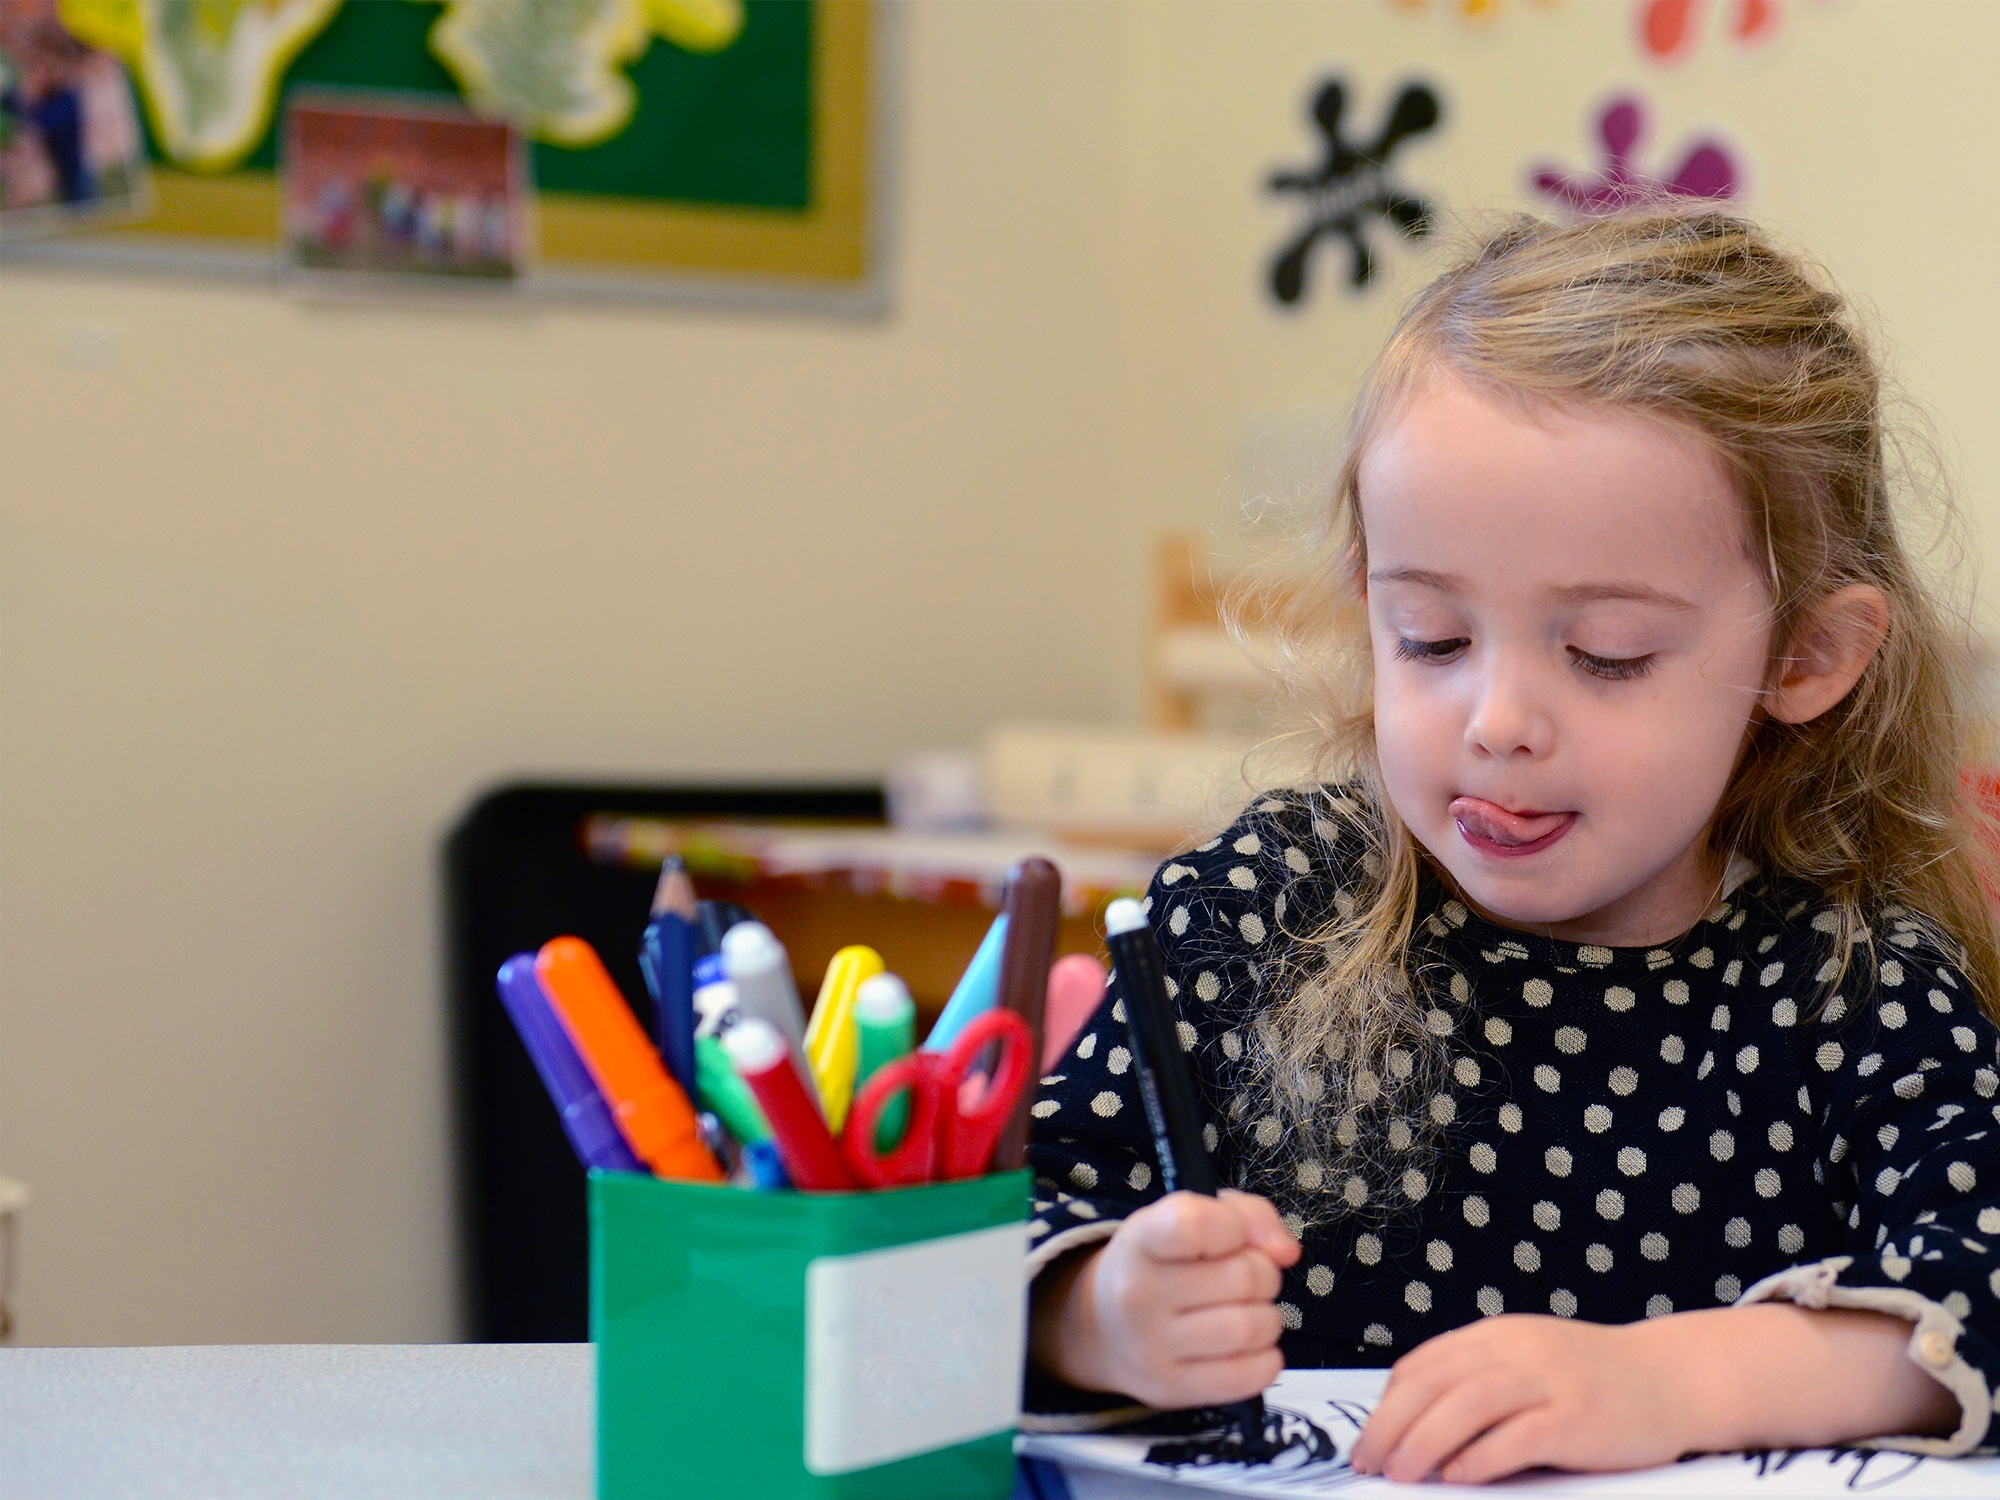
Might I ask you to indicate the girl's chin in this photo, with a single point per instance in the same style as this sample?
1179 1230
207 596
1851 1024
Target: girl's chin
1527 899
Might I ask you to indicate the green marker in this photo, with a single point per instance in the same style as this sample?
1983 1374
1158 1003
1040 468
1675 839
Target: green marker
723 1091
886 1018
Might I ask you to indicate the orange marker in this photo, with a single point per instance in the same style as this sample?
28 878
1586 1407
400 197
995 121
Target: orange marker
652 1111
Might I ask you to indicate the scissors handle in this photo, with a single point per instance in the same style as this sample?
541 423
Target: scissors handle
915 1158
970 1125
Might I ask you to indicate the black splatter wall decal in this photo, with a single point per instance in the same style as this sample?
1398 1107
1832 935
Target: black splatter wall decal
1353 186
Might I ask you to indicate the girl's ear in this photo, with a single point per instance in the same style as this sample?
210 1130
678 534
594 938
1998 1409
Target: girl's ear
1832 648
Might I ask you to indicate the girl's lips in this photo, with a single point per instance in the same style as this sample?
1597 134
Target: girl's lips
1491 829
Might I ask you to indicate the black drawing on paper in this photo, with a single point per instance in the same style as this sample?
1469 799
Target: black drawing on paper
1353 185
1869 1469
1290 1439
1209 1436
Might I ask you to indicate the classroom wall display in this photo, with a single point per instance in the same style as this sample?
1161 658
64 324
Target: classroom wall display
1671 31
382 186
71 152
1706 169
1352 188
725 150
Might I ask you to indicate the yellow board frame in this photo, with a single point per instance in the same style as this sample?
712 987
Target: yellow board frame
827 243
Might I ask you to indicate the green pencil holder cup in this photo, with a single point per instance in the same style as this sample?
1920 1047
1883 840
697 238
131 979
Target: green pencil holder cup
778 1345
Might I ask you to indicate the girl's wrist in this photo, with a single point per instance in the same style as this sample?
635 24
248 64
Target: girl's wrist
1062 1326
1705 1402
1777 1375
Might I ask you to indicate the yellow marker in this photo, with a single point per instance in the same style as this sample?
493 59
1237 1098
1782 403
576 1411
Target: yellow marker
832 1045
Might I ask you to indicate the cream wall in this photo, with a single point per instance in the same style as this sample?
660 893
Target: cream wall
282 587
1862 123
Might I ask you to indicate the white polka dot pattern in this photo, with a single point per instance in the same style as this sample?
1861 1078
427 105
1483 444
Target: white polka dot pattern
1562 1148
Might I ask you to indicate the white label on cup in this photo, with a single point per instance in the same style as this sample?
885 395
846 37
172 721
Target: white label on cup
914 1348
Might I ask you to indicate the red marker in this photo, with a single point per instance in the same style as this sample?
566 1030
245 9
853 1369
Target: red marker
764 1059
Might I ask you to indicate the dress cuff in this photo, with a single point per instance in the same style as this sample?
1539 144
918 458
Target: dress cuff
1047 1404
1054 1247
1933 1345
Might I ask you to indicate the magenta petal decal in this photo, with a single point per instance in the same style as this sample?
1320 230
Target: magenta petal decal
1708 170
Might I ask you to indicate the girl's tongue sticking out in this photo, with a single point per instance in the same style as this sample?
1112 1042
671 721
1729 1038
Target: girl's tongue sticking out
1492 829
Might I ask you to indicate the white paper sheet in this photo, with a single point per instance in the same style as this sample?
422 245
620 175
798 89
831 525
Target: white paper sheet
1338 1401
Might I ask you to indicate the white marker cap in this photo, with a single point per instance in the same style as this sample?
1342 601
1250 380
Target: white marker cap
883 1001
751 948
712 1003
754 1046
1124 915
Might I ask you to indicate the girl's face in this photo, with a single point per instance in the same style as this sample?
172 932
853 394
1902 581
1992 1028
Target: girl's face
1569 643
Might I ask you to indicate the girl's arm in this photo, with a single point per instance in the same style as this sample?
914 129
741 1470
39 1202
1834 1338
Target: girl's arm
1516 1392
1895 1343
1130 1288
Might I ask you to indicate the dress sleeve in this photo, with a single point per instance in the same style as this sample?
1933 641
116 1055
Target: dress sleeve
1910 1154
1216 911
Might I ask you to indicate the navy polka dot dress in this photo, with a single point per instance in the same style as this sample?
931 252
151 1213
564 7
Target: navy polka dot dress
1625 1133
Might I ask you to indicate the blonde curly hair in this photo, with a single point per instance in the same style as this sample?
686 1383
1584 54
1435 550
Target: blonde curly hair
1696 317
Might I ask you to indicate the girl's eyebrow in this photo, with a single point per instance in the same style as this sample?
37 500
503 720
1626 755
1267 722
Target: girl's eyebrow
1570 593
1444 583
1634 593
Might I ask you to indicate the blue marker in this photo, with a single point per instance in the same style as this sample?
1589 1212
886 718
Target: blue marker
765 1167
586 1118
978 989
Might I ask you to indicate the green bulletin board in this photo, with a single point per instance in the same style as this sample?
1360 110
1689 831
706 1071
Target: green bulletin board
725 138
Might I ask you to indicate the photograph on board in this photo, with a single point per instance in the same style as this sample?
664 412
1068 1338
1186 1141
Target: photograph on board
71 151
383 186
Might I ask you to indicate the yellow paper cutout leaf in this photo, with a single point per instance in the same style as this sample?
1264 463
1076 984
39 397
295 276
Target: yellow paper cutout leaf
696 25
208 70
556 68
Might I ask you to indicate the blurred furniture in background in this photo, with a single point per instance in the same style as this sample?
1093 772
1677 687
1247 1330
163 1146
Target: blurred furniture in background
1200 676
13 1198
819 865
517 873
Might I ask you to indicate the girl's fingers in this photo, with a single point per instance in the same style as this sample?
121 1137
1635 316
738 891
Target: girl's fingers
1459 1415
1186 1226
1246 1276
1262 1225
1226 1332
1417 1379
1519 1442
1408 1395
1211 1382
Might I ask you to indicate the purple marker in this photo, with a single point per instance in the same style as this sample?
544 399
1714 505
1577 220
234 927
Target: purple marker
586 1118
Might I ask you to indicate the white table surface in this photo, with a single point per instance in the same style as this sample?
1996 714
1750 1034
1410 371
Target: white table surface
356 1422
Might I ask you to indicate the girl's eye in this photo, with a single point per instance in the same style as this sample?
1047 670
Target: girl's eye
1431 651
1613 668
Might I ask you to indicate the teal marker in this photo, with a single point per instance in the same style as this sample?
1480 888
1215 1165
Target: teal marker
725 1092
885 1018
978 989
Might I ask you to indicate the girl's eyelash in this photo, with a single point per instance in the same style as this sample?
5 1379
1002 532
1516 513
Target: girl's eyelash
1432 651
1613 668
1610 668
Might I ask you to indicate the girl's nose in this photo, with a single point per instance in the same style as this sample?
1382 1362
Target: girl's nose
1509 719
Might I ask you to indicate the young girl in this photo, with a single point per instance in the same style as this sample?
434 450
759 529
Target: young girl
1610 1047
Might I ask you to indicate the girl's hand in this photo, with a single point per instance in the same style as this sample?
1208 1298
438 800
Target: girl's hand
1517 1392
1178 1306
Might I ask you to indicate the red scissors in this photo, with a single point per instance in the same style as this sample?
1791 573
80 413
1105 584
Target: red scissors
953 1124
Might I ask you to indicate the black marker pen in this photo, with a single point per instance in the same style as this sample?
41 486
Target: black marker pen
1167 1086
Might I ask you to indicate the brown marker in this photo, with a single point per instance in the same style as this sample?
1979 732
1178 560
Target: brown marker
1034 906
